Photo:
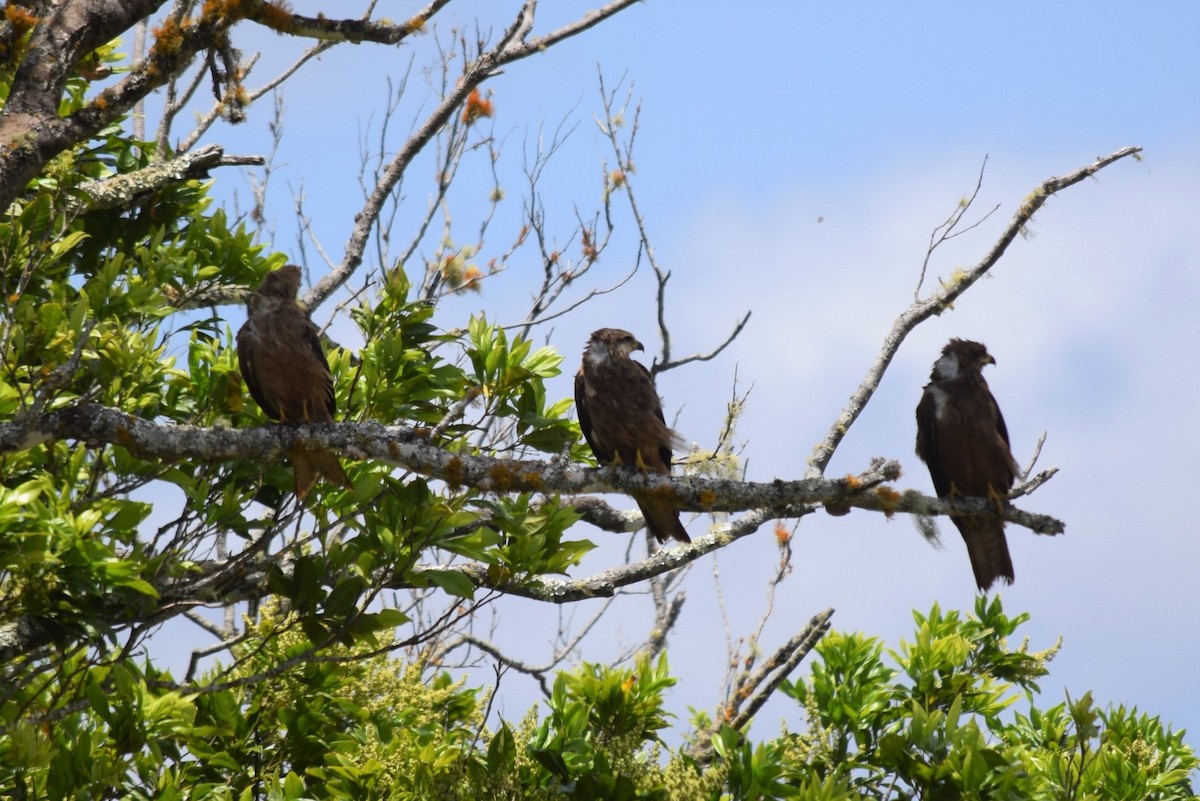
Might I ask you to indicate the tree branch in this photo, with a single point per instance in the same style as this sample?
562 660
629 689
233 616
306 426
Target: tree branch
763 684
123 189
513 46
943 299
343 30
410 448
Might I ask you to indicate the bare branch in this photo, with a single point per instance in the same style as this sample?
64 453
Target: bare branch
1028 485
941 300
945 231
343 30
665 617
536 672
765 682
513 46
662 367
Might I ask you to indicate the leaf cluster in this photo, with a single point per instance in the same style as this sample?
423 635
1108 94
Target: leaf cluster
360 723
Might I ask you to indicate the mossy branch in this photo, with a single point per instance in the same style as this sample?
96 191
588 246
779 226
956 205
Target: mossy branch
410 448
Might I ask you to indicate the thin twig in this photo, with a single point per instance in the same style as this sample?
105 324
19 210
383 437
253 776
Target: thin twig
941 300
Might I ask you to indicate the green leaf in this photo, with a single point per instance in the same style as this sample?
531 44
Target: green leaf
453 582
501 750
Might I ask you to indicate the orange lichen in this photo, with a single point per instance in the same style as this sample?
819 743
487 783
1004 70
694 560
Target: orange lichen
706 498
455 473
277 16
477 106
502 478
232 10
782 535
889 499
617 178
22 19
236 100
470 278
852 483
168 38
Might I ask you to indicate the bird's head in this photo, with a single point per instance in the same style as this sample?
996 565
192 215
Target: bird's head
961 354
279 286
613 343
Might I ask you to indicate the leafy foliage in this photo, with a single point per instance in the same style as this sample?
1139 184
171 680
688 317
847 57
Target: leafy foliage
361 724
933 726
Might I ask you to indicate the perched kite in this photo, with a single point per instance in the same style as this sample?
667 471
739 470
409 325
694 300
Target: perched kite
284 366
622 420
961 436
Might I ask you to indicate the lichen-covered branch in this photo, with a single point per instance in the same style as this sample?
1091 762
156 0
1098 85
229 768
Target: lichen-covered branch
31 130
411 449
122 190
343 30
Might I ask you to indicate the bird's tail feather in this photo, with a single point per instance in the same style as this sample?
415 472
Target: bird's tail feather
988 550
662 519
311 465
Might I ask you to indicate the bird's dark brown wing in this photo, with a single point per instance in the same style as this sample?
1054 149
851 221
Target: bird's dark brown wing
927 442
603 455
313 340
247 353
664 451
1000 426
1001 466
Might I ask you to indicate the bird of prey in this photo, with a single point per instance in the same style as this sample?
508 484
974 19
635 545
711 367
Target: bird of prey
285 368
622 420
961 436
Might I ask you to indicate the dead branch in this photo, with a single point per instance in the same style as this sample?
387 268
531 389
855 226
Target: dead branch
763 684
943 299
514 44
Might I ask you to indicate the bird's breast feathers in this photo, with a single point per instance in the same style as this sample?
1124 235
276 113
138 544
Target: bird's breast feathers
941 400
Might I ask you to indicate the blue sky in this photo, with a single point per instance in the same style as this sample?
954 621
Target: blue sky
759 120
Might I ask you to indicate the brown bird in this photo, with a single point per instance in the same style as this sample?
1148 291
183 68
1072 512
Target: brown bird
622 420
285 368
961 436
